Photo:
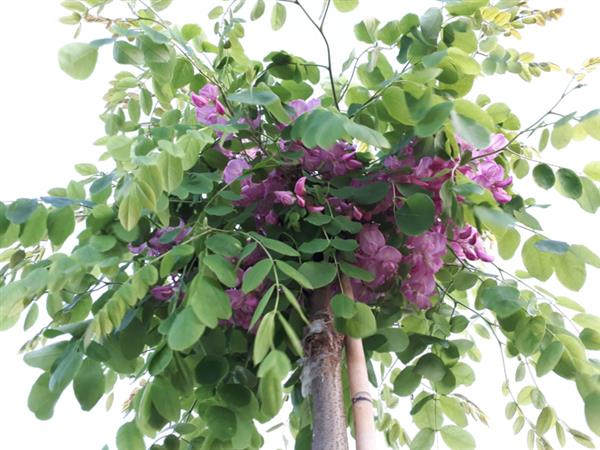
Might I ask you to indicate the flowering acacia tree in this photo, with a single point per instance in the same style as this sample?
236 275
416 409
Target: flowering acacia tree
264 218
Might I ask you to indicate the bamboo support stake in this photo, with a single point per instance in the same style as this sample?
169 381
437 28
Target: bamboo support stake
362 403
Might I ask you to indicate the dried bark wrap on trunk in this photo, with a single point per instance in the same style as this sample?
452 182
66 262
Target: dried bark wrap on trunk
322 377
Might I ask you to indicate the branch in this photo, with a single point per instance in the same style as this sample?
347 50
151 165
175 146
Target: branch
320 29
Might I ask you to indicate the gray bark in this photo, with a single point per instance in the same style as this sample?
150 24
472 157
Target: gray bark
322 377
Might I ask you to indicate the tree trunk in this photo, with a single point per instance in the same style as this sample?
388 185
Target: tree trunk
362 406
322 378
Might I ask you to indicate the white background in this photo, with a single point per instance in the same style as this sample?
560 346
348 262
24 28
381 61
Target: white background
49 122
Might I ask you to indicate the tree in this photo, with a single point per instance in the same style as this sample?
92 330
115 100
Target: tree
260 229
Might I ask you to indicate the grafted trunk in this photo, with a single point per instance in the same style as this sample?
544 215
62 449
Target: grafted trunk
322 377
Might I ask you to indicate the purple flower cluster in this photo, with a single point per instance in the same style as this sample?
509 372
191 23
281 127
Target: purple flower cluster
155 247
425 260
286 187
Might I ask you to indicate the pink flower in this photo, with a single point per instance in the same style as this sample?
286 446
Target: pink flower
162 293
155 246
234 169
370 239
301 107
425 259
209 110
300 187
243 307
490 175
467 244
285 197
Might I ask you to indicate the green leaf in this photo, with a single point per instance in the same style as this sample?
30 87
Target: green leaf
345 5
41 400
570 270
396 340
209 301
211 370
366 134
61 224
319 274
67 368
20 210
78 60
165 399
318 219
407 381
319 128
291 334
416 215
185 330
361 325
453 408
503 300
366 30
264 301
587 321
544 176
465 7
294 302
343 306
254 276
591 124
130 212
471 131
394 100
423 440
258 10
549 358
160 360
314 246
546 420
264 337
356 272
590 198
278 16
508 243
434 119
538 264
561 135
45 357
125 53
215 13
431 24
529 335
88 384
129 437
457 438
276 246
224 244
294 274
592 411
431 367
270 393
569 183
35 227
592 170
260 95
550 246
223 269
31 317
